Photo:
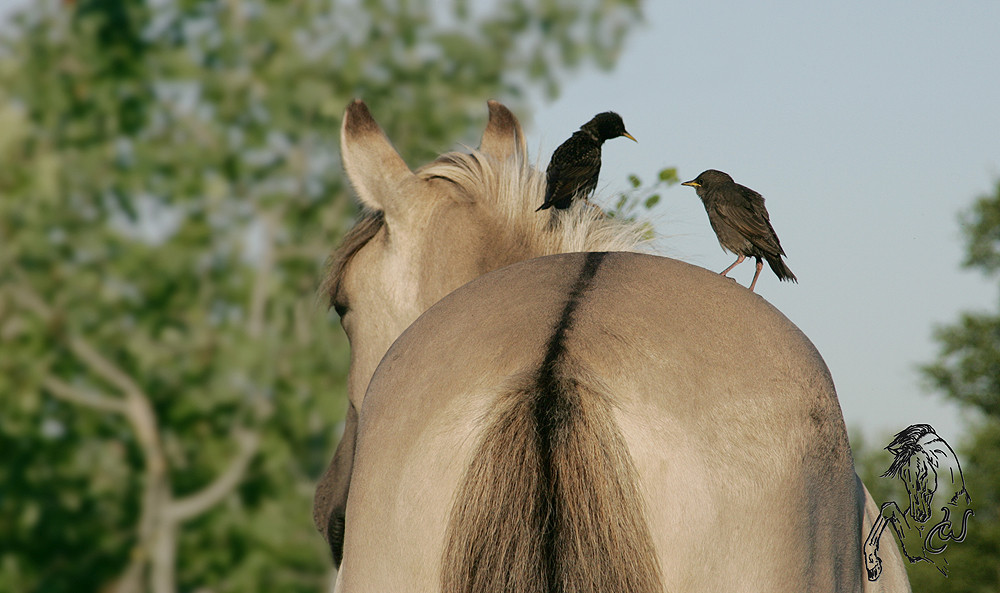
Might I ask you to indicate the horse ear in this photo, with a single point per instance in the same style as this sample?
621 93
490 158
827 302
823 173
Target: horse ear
503 137
374 167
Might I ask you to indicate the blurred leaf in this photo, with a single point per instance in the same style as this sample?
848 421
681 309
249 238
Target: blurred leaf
669 175
981 225
628 202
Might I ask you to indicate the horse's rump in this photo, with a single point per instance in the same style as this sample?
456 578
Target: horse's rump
518 437
550 501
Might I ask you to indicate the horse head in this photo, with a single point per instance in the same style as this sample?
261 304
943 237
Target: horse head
916 467
418 237
424 233
920 479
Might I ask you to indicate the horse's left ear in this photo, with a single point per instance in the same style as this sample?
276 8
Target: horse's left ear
503 137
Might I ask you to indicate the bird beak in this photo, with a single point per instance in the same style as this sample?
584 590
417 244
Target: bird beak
629 136
692 183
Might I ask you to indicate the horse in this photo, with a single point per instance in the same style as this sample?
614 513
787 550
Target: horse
538 405
929 469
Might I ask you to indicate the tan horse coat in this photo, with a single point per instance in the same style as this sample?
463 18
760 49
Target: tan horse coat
580 422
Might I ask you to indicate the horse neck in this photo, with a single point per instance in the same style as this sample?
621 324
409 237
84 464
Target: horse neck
944 461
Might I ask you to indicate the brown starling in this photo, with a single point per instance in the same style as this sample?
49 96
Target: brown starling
576 164
741 222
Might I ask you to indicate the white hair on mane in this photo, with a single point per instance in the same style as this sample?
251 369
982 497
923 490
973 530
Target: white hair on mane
514 189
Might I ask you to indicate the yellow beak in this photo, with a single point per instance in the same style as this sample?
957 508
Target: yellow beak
692 183
629 136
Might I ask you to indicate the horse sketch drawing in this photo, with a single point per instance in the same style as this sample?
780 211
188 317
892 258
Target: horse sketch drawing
938 511
536 407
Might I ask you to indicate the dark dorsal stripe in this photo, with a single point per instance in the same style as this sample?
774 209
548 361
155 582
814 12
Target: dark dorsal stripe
554 408
556 345
550 502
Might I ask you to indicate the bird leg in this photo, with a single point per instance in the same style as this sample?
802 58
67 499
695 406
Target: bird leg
738 261
760 265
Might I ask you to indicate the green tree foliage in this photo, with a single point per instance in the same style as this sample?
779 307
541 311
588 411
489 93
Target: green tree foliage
642 198
639 196
967 370
169 189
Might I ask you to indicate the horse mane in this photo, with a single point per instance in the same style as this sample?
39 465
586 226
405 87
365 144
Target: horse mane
369 223
511 190
906 445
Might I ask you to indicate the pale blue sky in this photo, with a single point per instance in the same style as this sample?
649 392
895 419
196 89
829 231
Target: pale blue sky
866 125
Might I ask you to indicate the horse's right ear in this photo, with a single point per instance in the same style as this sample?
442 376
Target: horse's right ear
374 167
503 137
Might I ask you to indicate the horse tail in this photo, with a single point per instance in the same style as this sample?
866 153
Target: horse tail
945 530
965 525
550 502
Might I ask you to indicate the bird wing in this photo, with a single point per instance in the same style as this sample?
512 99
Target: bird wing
574 168
750 218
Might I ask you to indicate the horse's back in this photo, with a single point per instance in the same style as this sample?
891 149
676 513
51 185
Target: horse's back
726 410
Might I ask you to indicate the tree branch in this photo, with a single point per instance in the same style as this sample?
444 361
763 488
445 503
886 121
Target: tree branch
76 395
104 367
137 408
97 362
31 301
195 504
259 294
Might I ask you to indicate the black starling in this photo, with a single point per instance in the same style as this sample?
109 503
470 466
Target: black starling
576 164
741 223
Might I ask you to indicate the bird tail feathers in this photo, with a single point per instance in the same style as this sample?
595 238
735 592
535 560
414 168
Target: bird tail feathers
780 269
